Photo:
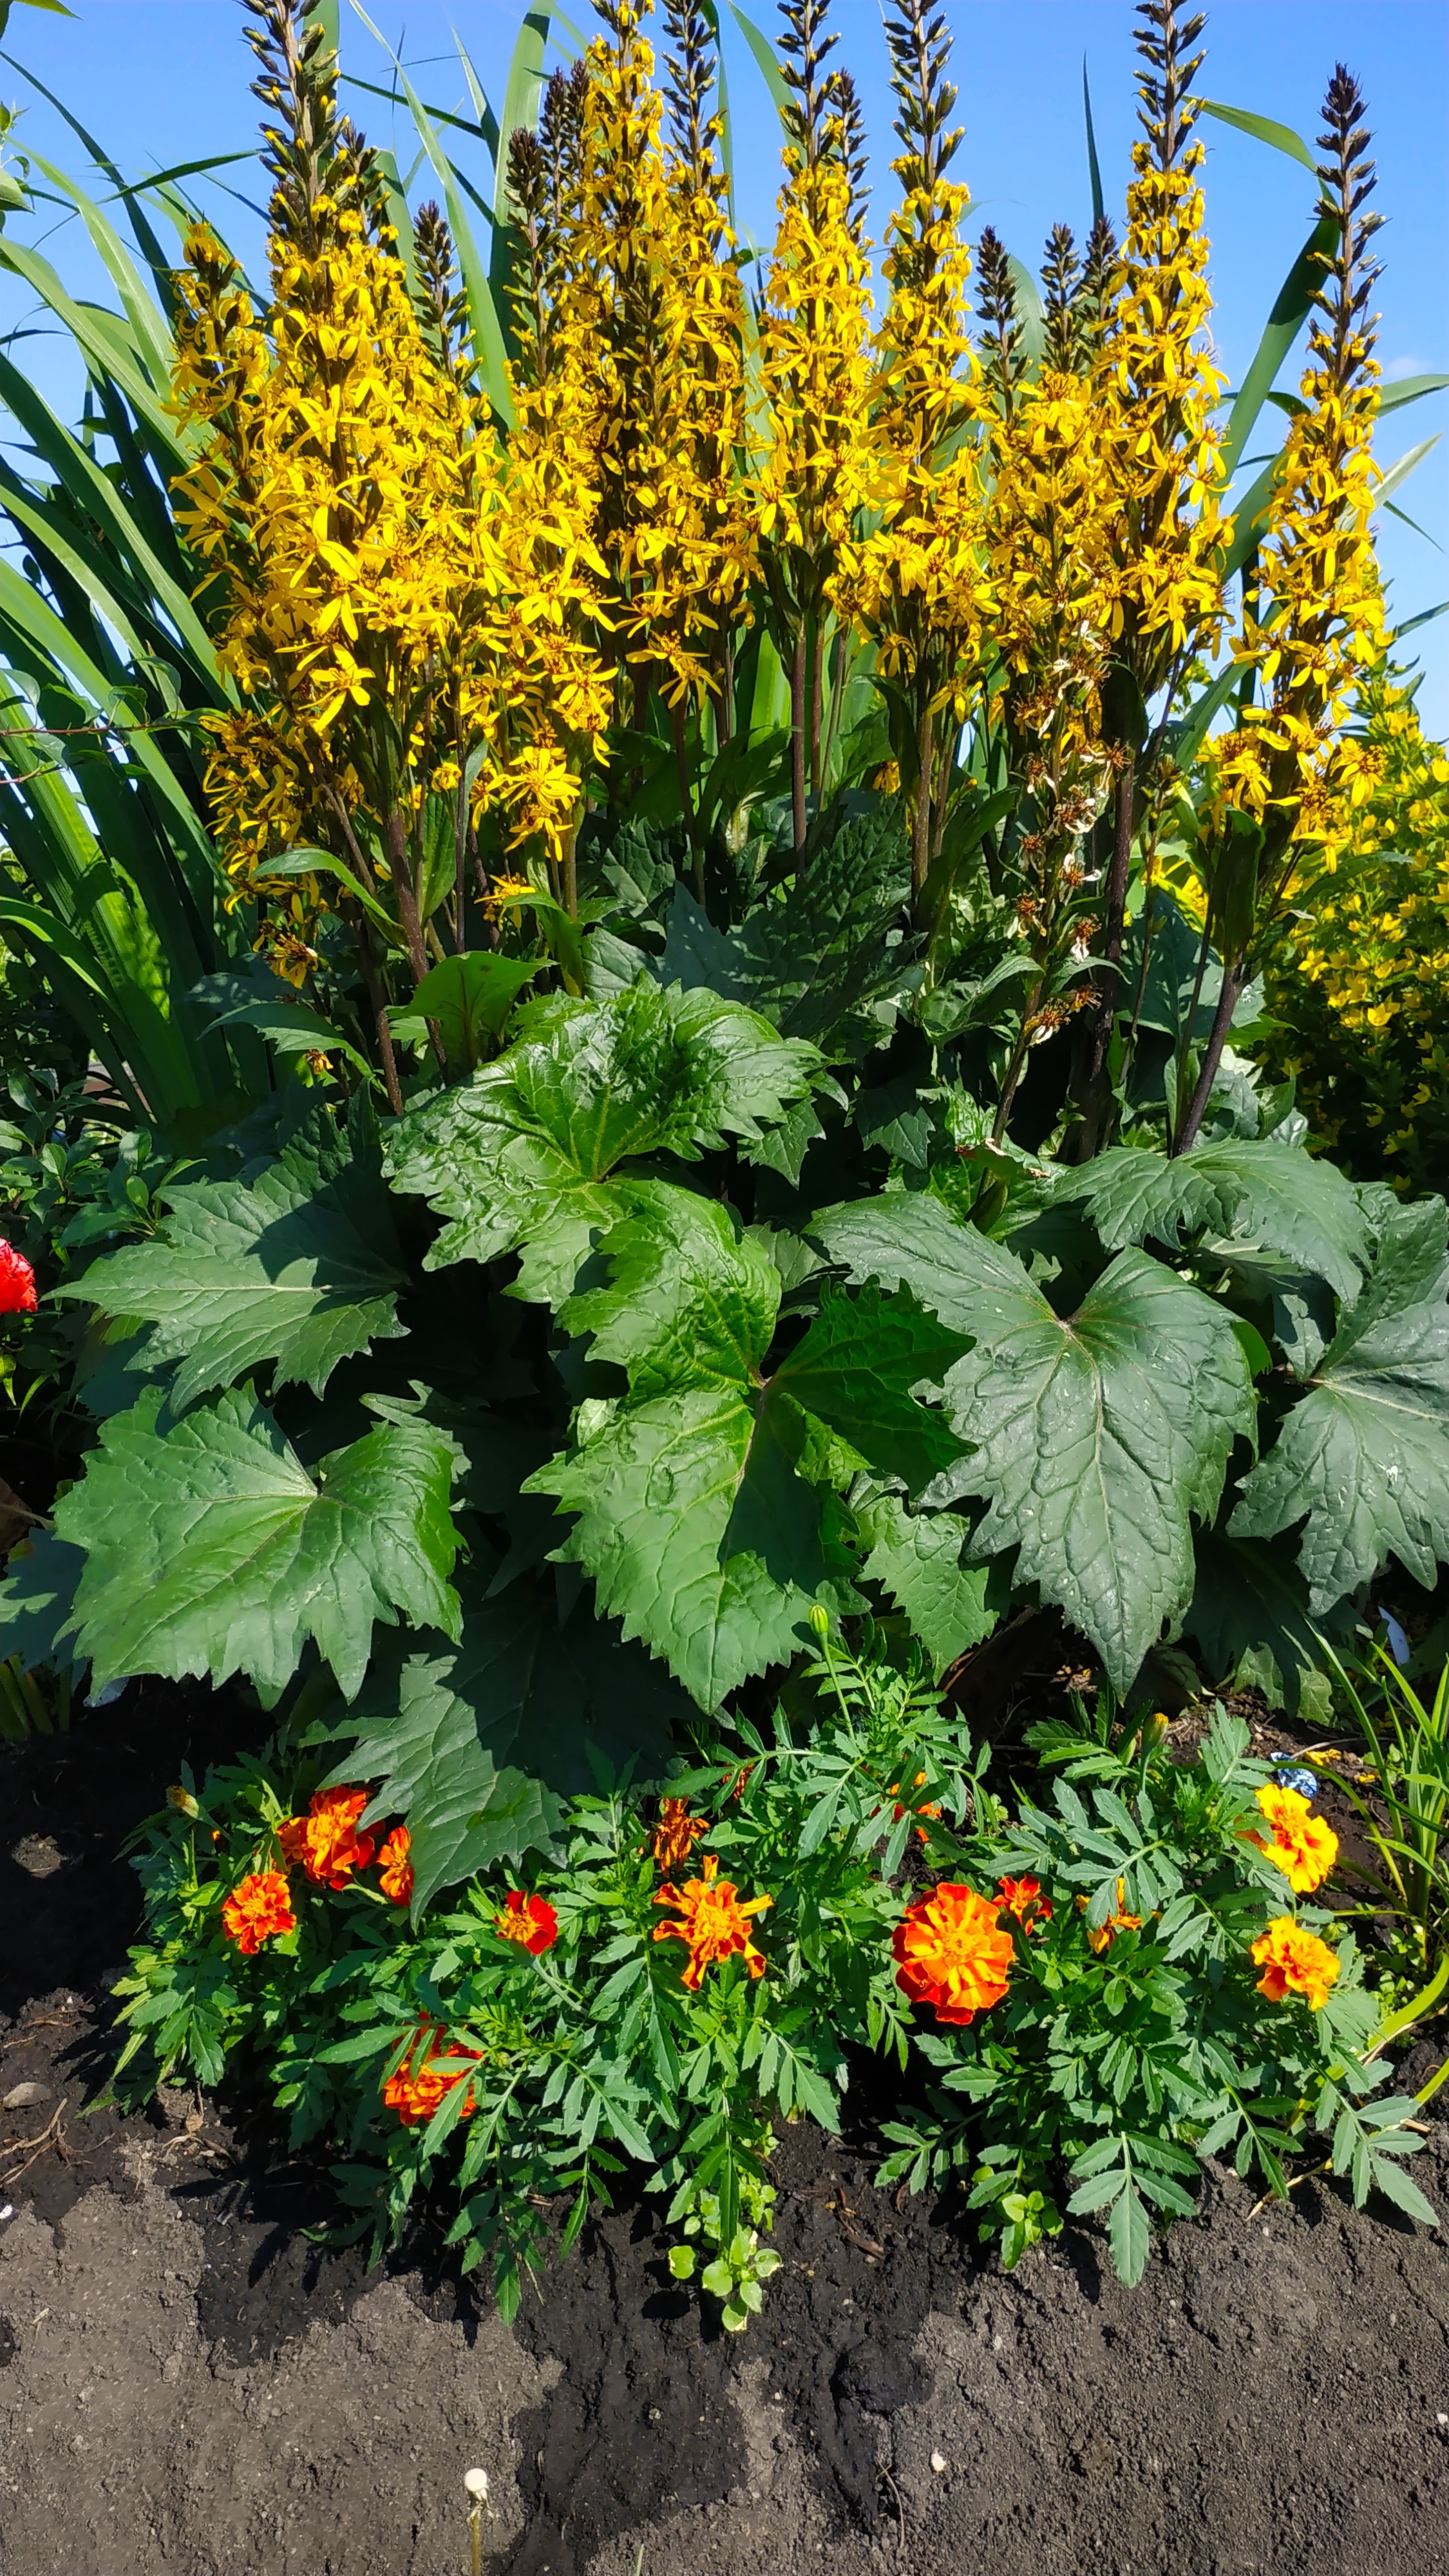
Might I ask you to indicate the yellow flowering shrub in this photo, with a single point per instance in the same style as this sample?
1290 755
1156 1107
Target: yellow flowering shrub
1361 986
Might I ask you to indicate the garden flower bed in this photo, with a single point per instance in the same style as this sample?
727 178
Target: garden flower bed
724 1720
194 2382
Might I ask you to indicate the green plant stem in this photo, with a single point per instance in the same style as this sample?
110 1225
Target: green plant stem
797 739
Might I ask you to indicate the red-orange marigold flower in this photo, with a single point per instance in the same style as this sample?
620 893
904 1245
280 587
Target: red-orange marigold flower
529 1920
715 1926
1023 1898
325 1840
676 1833
1294 1962
397 1869
258 1906
418 2086
1301 1844
17 1282
953 1953
918 1783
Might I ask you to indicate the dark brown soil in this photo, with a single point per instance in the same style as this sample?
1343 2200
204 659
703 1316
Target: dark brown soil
190 2381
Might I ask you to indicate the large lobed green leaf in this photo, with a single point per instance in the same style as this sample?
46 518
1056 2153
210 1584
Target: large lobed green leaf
210 1548
1095 1438
1273 1197
815 958
297 1265
1363 1458
475 1743
916 1557
703 1497
521 1157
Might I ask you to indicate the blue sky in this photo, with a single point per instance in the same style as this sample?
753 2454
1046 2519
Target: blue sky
162 81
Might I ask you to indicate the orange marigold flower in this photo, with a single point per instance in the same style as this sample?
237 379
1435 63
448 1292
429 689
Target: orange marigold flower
258 1906
325 1840
1302 1845
1294 1962
1023 1898
397 1869
1106 1933
676 1833
715 1924
529 1920
953 1953
418 2086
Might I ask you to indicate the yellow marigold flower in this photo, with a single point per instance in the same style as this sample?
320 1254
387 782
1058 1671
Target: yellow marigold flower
715 1925
1300 1843
1102 1937
1294 1962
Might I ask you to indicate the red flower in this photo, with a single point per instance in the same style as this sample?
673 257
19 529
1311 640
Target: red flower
952 1952
257 1907
529 1920
17 1282
397 1869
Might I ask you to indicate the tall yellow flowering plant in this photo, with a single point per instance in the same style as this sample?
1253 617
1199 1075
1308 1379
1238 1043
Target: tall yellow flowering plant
392 588
459 647
1313 620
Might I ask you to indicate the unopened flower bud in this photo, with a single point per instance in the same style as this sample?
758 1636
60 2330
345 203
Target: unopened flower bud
820 1621
476 2482
182 1800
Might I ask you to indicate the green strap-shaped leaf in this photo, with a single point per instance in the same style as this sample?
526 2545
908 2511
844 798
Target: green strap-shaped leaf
1273 1196
1095 1437
483 312
210 1548
1291 308
1364 1455
298 1266
704 1503
522 1156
